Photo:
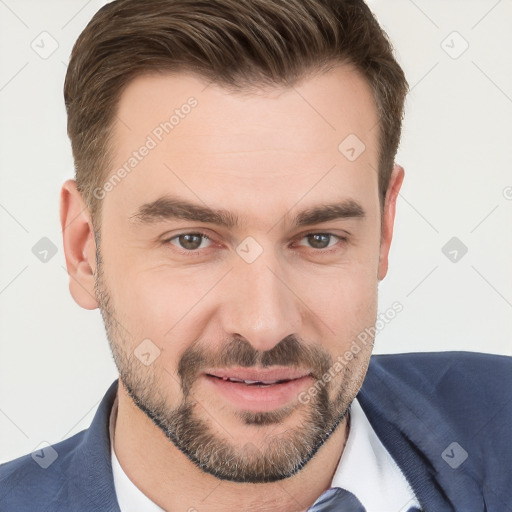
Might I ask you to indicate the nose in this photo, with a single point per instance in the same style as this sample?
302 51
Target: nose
260 304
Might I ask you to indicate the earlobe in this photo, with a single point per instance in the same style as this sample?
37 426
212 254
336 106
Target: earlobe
388 219
79 245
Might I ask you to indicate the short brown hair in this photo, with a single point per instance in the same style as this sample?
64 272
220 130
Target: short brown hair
234 43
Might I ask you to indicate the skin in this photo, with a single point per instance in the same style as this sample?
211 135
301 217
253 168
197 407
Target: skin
265 156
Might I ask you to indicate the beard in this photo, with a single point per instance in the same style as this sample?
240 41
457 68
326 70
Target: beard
194 433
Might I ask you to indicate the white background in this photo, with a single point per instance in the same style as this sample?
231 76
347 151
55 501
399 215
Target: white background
55 364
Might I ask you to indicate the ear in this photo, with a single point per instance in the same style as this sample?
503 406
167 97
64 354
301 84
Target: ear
79 245
388 218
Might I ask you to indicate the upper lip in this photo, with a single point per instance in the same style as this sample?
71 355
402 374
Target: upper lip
273 374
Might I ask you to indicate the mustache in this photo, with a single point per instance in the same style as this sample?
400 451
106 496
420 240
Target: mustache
290 351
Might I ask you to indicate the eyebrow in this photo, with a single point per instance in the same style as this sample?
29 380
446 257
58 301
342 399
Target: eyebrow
169 208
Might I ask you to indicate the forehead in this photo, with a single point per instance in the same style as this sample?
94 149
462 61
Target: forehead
206 143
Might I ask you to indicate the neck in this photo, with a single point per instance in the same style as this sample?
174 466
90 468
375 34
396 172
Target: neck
159 469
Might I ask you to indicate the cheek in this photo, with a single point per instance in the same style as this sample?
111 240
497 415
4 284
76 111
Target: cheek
352 310
343 304
341 291
163 305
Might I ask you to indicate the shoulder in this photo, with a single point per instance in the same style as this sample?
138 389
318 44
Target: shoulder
447 370
436 363
75 472
39 475
470 391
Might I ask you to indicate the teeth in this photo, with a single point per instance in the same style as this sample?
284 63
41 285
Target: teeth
265 382
250 382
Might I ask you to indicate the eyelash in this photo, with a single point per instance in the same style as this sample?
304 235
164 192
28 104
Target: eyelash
204 236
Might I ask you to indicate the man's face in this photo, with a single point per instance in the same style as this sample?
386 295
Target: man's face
243 247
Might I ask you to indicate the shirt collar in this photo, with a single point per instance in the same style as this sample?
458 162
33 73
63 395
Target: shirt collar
368 471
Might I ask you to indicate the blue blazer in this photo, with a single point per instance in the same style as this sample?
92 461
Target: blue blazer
446 418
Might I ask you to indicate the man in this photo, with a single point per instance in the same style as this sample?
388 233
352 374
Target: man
231 217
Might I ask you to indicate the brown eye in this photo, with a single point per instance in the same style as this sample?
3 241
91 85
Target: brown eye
190 241
320 240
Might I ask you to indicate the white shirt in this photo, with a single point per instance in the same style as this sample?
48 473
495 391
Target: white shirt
366 469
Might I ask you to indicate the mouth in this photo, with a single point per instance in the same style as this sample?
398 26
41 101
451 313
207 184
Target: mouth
258 389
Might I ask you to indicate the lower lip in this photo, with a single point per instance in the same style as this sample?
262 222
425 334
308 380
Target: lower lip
258 399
